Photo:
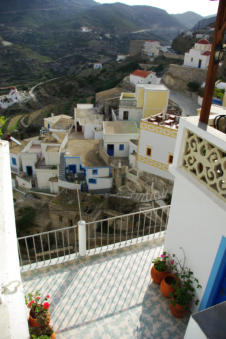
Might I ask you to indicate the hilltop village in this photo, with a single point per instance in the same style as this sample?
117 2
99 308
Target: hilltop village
113 155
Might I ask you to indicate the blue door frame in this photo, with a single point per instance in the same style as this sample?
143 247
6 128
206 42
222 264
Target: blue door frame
72 168
215 291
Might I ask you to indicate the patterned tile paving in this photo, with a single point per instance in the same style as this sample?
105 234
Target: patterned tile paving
108 296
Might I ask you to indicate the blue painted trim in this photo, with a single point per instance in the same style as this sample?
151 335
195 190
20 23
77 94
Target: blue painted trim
214 278
92 181
14 161
71 157
91 168
95 170
121 147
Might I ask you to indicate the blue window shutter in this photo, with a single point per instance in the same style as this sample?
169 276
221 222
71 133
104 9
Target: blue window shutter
95 171
14 161
92 181
121 147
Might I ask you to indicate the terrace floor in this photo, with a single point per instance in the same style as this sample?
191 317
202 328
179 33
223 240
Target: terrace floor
109 295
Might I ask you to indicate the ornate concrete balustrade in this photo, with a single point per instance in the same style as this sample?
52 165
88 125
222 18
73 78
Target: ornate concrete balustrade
206 162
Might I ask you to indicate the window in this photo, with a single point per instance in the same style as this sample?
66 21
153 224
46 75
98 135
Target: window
121 147
191 59
95 171
148 152
170 159
92 181
70 222
14 161
60 218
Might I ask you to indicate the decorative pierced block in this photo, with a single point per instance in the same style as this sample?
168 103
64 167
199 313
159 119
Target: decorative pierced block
206 162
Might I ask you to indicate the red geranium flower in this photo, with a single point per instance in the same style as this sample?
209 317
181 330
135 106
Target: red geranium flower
30 303
46 305
48 296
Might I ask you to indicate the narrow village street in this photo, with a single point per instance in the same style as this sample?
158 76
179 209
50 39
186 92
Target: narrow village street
186 103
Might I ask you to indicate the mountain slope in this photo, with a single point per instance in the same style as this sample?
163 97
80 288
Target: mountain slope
204 23
188 19
21 5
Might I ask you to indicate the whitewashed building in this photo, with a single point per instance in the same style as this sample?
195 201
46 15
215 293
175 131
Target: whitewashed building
97 66
58 123
196 226
151 48
144 77
83 167
117 136
199 55
156 144
88 121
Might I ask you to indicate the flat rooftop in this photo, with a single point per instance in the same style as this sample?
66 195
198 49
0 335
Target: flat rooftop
15 148
165 120
153 87
109 295
87 150
52 148
120 127
53 138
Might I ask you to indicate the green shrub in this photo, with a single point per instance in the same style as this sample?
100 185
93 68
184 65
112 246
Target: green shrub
193 86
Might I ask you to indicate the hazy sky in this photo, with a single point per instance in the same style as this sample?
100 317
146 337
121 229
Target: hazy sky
202 7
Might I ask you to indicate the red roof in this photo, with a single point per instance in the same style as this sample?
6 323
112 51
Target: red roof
152 40
206 53
140 73
203 42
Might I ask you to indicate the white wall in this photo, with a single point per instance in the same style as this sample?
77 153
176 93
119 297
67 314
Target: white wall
88 131
193 331
197 216
101 184
52 158
43 176
192 58
16 167
117 152
73 161
54 188
28 159
24 183
68 185
13 311
98 135
135 114
101 172
161 145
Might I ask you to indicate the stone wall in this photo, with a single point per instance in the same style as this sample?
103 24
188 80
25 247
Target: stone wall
177 77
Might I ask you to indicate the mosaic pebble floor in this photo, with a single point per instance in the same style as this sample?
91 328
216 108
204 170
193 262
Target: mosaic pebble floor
107 296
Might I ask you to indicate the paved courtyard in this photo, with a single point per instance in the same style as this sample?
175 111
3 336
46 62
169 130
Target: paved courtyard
107 296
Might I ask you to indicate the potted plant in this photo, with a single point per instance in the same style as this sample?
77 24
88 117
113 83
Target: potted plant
184 293
39 309
160 268
170 279
42 332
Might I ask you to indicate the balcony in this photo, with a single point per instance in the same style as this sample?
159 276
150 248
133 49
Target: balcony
108 292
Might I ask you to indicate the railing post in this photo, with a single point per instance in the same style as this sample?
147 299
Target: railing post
82 237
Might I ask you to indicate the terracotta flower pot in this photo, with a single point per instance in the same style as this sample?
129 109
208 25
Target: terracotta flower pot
156 275
53 336
165 286
34 323
178 311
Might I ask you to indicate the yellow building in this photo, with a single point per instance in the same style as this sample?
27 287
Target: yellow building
152 98
148 100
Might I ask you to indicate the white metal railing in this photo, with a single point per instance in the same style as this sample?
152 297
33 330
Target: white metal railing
44 248
124 230
65 244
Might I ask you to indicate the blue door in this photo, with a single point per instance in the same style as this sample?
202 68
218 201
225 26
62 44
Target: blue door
221 290
72 168
215 291
110 150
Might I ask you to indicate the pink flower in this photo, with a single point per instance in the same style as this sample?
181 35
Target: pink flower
46 305
48 296
30 303
163 255
171 262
